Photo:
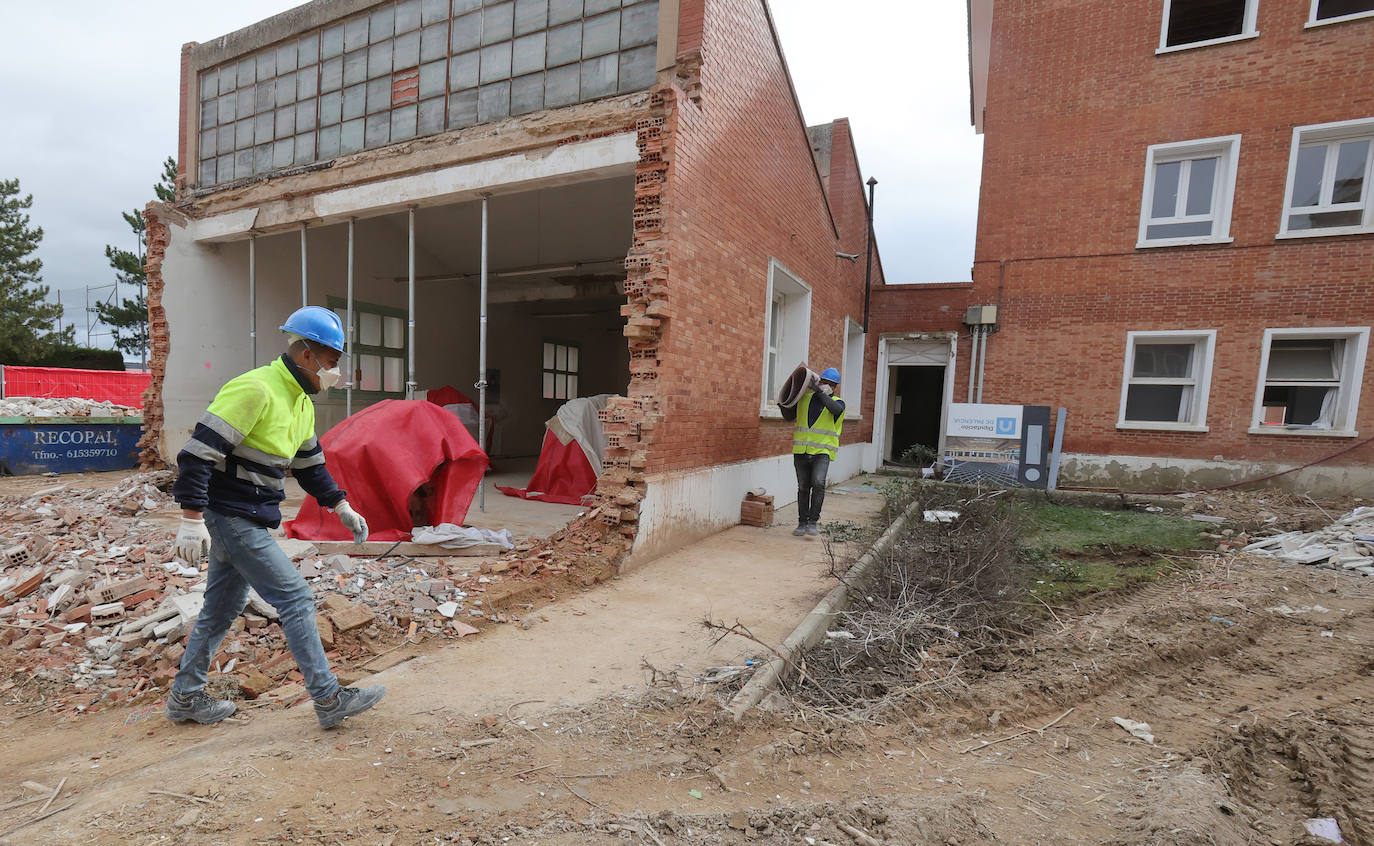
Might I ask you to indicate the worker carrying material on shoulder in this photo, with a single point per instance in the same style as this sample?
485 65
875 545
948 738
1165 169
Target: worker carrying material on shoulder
819 416
230 483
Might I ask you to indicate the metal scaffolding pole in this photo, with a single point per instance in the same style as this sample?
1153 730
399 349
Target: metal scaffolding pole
482 357
348 332
410 300
305 289
253 296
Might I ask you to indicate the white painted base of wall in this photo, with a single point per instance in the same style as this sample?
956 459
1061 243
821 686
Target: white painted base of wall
683 507
1148 474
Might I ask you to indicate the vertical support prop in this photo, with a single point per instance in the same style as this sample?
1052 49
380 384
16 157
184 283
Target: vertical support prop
482 357
305 286
253 297
410 309
348 330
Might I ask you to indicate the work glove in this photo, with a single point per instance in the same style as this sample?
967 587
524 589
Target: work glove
826 389
352 520
193 541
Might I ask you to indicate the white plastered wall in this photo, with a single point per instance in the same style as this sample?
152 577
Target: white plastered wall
682 507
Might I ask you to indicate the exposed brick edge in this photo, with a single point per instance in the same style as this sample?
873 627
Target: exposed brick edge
159 339
607 531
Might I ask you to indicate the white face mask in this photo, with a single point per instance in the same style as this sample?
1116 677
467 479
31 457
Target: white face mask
328 378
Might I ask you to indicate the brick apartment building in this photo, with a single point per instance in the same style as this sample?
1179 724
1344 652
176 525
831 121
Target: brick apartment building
634 177
1177 228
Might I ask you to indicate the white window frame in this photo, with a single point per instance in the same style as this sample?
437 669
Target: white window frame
1330 133
1312 17
555 378
852 369
794 339
1227 147
1204 343
1348 391
1249 31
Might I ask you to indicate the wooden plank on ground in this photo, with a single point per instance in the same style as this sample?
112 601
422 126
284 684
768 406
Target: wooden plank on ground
414 550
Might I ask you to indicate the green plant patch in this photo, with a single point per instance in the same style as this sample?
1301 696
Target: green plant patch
1063 528
1077 552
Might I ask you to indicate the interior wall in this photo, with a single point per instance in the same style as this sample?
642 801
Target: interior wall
516 344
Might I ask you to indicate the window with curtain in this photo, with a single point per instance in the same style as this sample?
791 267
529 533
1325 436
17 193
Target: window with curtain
1302 382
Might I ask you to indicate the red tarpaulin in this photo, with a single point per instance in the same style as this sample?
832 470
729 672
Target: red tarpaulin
381 456
449 395
121 387
562 475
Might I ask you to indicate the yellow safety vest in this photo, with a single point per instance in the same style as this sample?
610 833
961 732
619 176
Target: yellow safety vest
820 439
269 412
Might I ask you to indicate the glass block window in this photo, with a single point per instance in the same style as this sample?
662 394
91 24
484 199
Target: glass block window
411 68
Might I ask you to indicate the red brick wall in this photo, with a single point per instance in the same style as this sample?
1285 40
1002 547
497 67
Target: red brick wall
188 84
1076 95
742 188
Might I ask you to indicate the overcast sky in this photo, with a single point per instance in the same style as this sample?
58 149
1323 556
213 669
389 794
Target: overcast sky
90 111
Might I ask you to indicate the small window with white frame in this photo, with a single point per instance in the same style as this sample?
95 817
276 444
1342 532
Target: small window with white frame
560 367
1197 23
1309 381
1329 174
1335 11
1167 380
852 369
1189 187
786 332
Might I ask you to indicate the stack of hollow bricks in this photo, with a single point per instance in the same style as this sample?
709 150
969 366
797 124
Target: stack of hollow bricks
628 422
159 340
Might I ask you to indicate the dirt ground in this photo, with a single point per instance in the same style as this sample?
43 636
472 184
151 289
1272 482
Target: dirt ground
588 728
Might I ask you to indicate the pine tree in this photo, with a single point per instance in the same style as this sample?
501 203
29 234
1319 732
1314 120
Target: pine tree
26 317
128 320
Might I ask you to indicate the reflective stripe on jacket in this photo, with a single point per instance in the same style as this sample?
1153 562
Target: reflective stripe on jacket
821 437
259 425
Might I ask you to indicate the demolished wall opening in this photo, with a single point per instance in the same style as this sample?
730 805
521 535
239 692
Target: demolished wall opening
555 288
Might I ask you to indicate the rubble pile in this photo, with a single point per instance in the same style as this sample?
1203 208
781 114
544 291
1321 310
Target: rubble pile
95 610
1347 544
63 407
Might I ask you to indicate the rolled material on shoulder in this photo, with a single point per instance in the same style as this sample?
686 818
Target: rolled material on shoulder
803 379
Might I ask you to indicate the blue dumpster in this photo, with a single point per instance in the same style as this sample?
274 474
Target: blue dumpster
33 445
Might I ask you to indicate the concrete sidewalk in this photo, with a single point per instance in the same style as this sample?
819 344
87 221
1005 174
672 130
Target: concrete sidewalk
591 644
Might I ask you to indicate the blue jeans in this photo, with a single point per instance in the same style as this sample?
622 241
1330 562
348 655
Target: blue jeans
811 473
242 553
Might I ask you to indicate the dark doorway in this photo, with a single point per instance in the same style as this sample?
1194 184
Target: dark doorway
917 399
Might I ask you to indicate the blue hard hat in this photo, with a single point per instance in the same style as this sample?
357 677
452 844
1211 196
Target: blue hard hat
317 324
830 374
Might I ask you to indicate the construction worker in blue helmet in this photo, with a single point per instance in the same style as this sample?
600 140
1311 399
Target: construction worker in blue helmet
818 418
231 480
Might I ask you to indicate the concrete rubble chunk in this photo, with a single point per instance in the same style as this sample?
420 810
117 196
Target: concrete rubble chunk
1207 518
261 607
295 549
1347 544
1307 555
188 605
347 616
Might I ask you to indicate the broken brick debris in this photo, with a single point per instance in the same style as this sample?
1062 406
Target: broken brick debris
96 609
1346 544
